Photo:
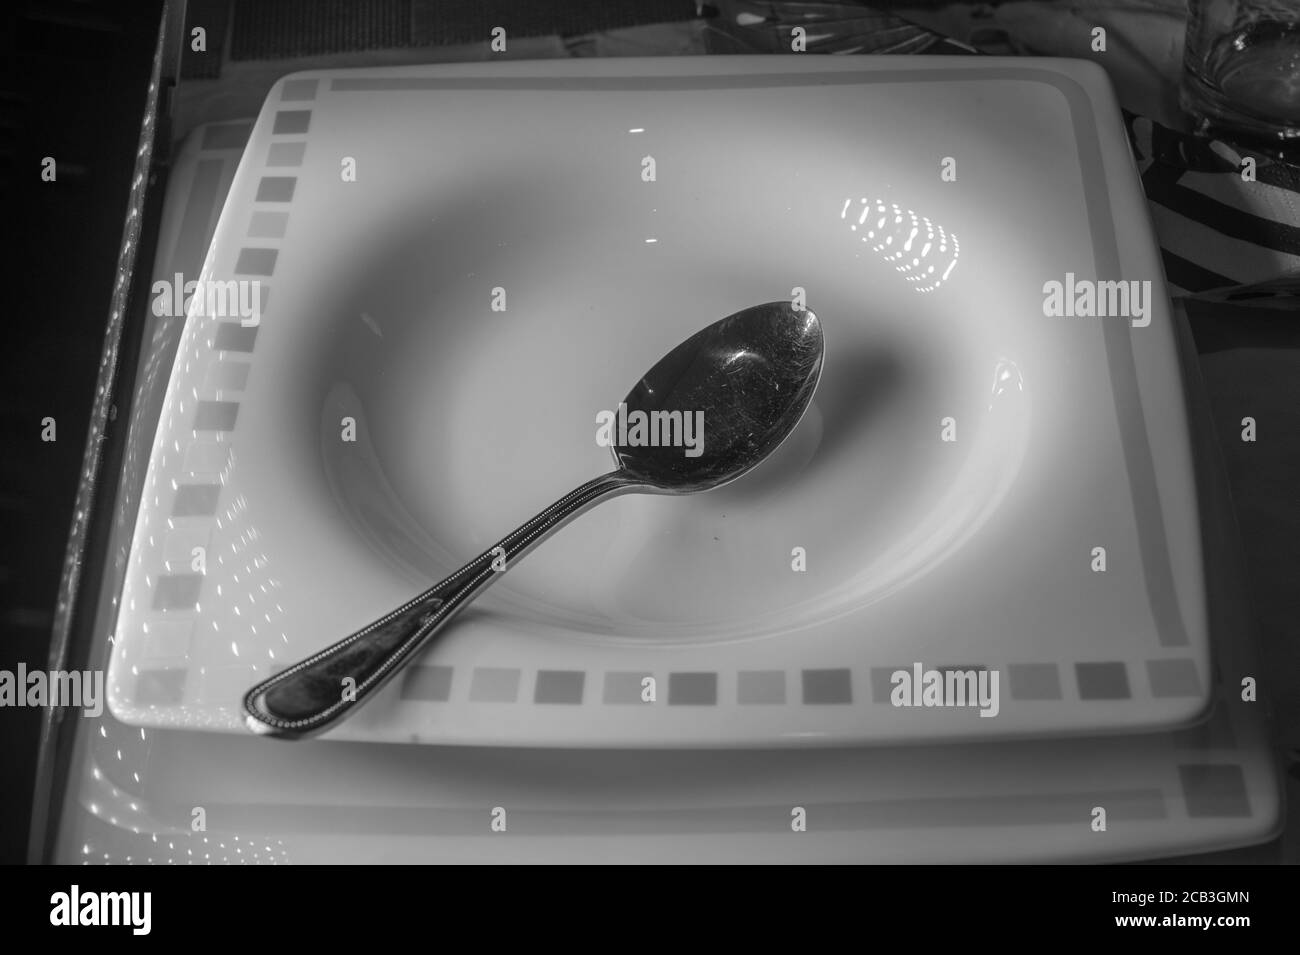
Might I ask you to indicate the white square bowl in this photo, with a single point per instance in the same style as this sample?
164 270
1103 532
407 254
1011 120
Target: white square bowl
382 210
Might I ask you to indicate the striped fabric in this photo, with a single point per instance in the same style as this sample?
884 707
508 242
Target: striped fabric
1216 228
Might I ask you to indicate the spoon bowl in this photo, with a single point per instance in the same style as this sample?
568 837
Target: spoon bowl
747 380
709 411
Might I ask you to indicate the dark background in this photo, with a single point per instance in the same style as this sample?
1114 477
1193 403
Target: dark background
74 83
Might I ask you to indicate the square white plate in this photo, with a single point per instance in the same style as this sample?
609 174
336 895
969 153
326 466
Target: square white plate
132 795
382 210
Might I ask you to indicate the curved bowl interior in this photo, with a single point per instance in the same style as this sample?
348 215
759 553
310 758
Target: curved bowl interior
471 420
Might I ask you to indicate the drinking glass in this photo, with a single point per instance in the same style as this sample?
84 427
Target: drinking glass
1241 73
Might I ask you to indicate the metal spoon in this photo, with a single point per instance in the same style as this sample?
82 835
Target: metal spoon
752 374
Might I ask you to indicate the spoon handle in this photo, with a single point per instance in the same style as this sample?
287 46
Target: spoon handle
317 692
